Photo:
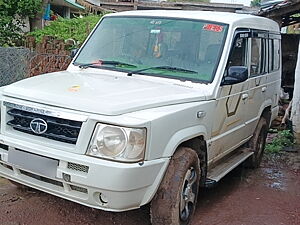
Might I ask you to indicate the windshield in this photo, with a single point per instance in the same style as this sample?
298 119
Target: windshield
174 48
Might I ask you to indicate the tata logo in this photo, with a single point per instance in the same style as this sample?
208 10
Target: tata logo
38 126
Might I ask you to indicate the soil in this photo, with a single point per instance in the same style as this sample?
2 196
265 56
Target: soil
269 195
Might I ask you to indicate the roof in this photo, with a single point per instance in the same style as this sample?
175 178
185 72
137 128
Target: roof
68 3
74 4
239 20
282 11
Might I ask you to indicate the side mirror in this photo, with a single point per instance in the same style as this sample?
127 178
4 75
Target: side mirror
74 52
235 74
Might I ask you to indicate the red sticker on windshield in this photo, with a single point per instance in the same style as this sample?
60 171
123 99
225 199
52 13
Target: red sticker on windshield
213 27
97 62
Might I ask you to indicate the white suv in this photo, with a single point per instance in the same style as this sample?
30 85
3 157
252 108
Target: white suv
154 105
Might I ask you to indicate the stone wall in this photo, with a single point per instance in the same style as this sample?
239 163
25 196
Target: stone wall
51 55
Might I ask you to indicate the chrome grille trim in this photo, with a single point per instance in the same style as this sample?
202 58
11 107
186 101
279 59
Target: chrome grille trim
46 112
59 129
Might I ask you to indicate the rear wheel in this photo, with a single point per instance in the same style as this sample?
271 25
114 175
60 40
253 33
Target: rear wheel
176 198
257 143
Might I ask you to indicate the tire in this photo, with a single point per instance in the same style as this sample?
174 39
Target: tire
175 200
257 143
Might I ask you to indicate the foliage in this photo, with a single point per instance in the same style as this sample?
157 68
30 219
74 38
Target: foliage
12 14
255 3
283 139
76 29
29 8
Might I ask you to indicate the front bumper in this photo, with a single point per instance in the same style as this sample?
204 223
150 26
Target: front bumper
93 182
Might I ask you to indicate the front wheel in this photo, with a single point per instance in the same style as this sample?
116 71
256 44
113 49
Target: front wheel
176 198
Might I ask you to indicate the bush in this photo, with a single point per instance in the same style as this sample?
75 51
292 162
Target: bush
283 139
76 29
12 15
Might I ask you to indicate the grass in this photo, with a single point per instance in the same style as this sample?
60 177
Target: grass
283 139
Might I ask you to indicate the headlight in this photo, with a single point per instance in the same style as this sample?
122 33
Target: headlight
118 143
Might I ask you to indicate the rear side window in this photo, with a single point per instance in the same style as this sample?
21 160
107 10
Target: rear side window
258 56
274 54
271 54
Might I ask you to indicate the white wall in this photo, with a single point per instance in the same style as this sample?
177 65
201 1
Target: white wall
296 99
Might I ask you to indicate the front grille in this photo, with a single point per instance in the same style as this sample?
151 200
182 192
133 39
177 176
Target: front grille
78 167
58 129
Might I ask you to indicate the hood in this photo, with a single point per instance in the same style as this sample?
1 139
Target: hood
101 93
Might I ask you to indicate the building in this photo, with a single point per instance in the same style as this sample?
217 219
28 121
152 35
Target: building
66 8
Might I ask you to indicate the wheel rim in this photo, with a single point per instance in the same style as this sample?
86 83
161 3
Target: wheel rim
188 194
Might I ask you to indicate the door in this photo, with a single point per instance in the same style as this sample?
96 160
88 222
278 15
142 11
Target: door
258 79
228 130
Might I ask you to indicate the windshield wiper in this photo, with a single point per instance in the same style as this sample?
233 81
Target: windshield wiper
104 62
172 68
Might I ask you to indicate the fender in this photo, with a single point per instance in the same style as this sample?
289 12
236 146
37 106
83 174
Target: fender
266 103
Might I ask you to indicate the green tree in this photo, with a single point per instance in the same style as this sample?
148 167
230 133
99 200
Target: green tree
255 3
12 14
76 29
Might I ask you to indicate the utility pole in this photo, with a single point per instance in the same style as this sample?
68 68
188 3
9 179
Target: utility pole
37 21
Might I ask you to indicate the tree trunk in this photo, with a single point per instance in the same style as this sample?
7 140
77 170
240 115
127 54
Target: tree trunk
37 22
296 100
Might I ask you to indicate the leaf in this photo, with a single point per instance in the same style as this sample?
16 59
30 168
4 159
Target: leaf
75 28
11 14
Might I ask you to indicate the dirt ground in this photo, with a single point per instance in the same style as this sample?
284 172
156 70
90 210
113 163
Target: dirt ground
269 195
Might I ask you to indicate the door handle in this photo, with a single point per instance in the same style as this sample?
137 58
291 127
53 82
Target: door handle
264 89
245 96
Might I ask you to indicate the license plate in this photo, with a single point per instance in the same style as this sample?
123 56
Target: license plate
33 163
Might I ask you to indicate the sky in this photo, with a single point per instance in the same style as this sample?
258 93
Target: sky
244 2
